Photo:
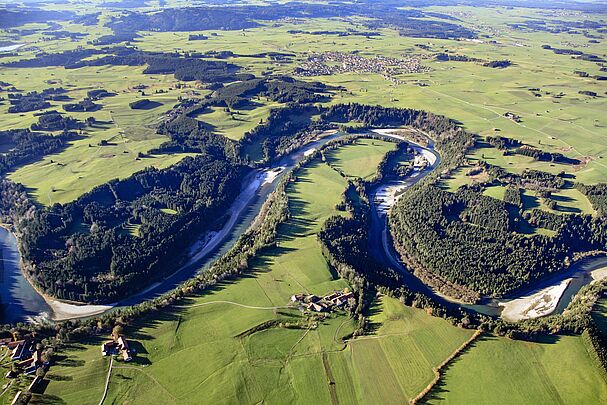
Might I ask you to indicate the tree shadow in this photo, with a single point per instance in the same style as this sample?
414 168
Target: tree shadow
374 309
149 105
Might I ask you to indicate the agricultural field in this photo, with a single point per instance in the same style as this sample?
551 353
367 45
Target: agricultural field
234 124
202 333
212 335
404 347
503 371
570 124
128 134
243 340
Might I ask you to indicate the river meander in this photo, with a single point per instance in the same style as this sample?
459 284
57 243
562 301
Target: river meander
21 302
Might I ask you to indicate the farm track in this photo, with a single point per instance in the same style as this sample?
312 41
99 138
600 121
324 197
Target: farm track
107 381
239 305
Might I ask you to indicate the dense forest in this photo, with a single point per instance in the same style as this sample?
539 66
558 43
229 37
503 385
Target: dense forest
183 68
409 22
88 250
512 146
20 146
111 241
482 245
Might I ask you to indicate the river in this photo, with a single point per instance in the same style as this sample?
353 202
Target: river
21 302
550 295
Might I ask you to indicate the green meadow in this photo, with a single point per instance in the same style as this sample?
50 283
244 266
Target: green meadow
357 161
211 348
503 371
395 362
209 336
475 95
234 124
64 176
561 120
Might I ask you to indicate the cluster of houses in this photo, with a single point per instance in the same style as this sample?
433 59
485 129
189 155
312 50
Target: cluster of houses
117 346
27 357
327 303
329 63
26 354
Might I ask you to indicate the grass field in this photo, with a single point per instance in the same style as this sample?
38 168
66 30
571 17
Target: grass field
85 164
196 352
475 95
276 365
503 371
234 125
394 363
357 161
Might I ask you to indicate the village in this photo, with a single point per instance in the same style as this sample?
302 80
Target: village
330 63
327 303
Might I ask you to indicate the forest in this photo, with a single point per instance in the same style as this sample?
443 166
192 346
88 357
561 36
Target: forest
183 68
24 146
84 250
409 22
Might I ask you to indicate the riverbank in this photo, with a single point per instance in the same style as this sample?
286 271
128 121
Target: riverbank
543 298
549 297
62 310
23 300
535 305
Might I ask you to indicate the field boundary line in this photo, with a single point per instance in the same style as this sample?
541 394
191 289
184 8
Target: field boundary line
330 379
107 381
438 370
151 377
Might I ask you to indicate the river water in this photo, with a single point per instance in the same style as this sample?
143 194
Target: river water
522 301
21 302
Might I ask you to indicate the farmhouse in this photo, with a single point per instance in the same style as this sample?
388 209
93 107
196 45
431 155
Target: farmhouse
335 299
512 116
33 363
117 346
21 349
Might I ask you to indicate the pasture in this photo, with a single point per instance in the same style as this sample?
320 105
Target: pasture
212 336
394 362
127 133
356 161
201 334
233 125
559 120
503 371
